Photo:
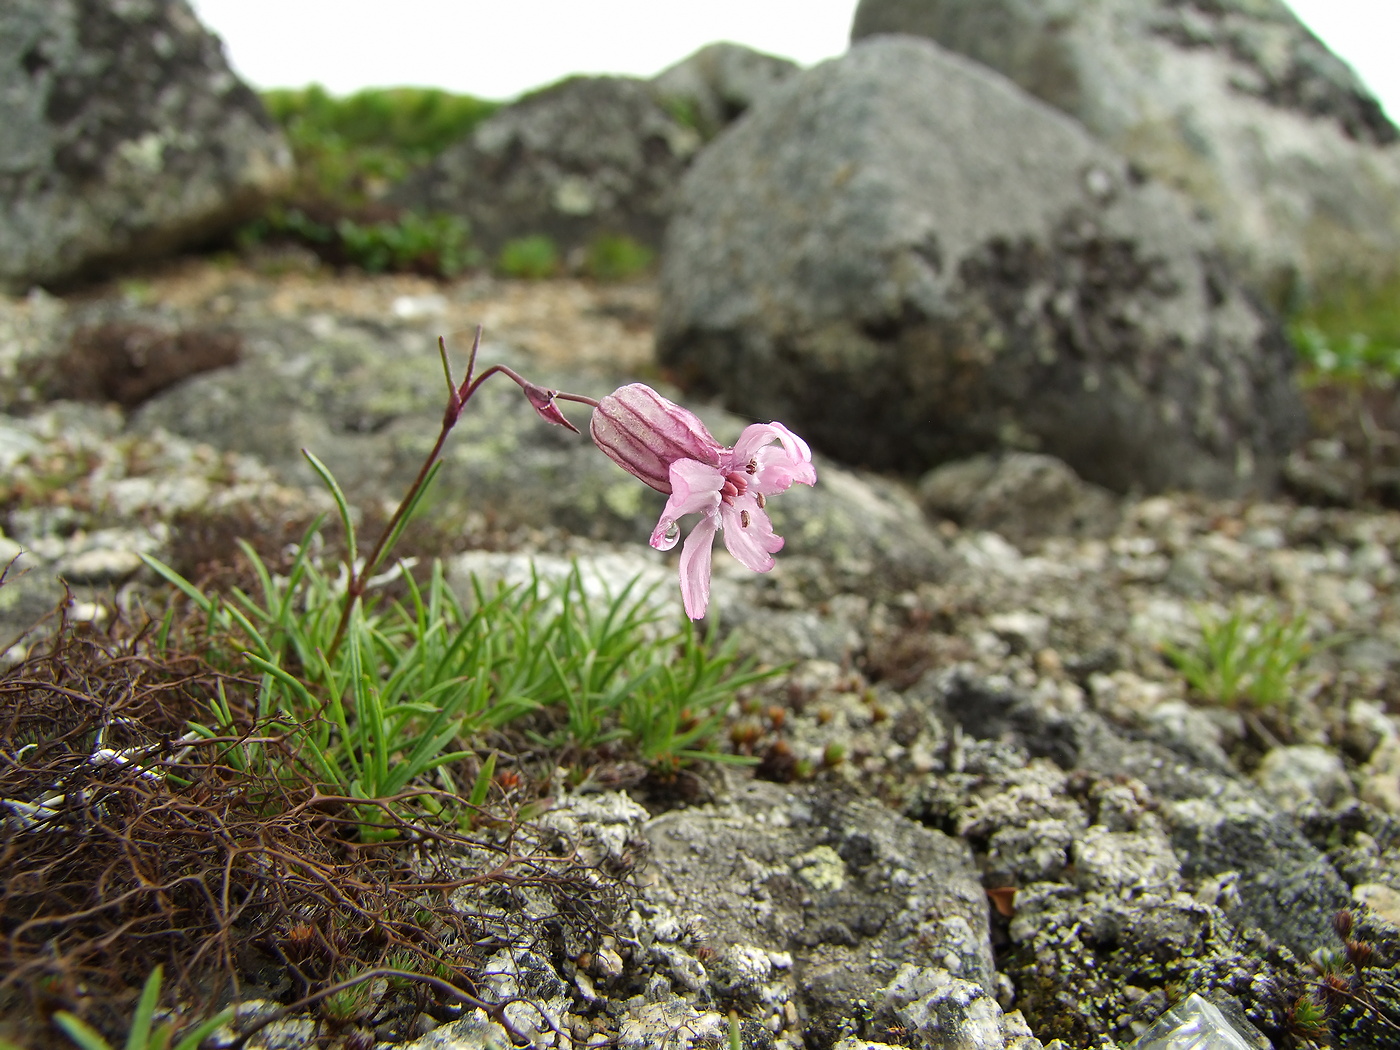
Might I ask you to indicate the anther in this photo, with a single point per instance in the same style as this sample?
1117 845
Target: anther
744 519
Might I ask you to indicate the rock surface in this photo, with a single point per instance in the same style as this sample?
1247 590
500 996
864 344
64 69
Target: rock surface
844 888
1021 496
1232 101
1007 818
584 157
714 86
905 257
126 135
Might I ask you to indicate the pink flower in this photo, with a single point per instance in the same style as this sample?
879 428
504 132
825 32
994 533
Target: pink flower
668 447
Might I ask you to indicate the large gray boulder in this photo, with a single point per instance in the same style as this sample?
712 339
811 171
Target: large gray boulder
123 135
1232 101
584 157
909 260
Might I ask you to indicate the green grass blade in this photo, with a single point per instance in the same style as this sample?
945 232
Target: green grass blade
80 1031
482 787
341 503
197 1035
205 604
140 1034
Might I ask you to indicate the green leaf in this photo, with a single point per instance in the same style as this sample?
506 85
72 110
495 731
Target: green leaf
80 1031
140 1035
341 503
203 1031
482 787
190 591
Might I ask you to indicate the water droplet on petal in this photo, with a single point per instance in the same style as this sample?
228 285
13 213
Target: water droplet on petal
673 532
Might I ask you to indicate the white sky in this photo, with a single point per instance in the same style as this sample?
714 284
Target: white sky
499 48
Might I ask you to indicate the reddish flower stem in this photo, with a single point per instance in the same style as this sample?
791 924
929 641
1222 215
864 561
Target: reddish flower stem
457 397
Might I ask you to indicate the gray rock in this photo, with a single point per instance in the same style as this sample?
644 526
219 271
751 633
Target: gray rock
908 260
945 1012
100 565
1302 776
536 998
1213 822
670 1021
714 86
1234 102
586 156
125 136
848 887
1021 495
1322 472
473 1031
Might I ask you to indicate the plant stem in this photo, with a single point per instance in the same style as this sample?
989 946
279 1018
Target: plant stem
456 401
457 397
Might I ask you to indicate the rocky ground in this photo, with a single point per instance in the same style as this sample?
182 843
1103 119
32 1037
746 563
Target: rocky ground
989 810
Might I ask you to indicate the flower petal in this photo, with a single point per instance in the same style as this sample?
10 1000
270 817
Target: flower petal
695 489
748 533
775 469
644 433
695 566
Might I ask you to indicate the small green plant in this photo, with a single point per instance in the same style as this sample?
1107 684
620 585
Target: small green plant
616 257
373 695
351 1003
434 244
1351 334
349 150
140 1035
534 257
1250 656
414 684
684 112
349 153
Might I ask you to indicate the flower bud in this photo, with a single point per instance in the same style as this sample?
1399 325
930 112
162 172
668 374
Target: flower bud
542 400
643 433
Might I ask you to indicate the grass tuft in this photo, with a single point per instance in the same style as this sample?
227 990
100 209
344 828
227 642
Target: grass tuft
1246 656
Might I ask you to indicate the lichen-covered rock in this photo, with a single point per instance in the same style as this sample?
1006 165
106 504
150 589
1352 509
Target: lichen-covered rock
1303 776
125 136
910 261
1210 824
943 1012
1232 101
587 156
848 887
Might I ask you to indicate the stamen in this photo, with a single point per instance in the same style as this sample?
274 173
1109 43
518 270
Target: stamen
762 500
752 468
744 519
